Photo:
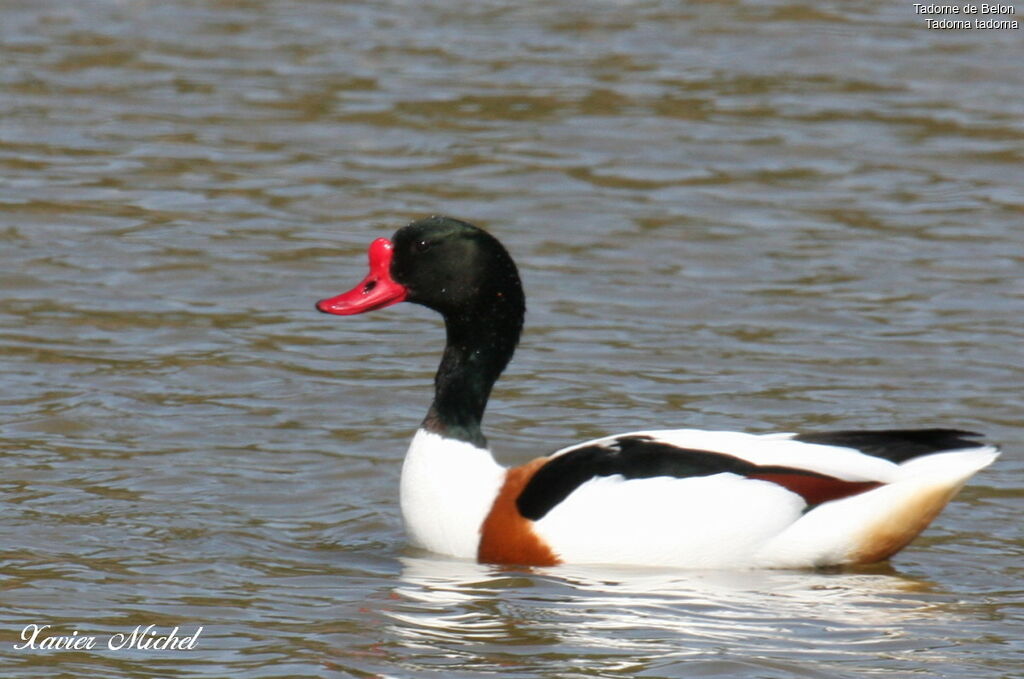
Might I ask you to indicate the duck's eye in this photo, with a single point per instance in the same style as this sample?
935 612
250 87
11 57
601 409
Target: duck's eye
423 245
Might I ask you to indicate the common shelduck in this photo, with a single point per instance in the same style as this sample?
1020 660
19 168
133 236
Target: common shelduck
679 497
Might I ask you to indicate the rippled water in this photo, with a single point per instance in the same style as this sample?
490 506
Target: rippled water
742 215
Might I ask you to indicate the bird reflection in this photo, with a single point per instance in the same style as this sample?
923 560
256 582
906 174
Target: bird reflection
635 618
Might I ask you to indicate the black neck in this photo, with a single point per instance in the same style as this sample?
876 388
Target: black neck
479 346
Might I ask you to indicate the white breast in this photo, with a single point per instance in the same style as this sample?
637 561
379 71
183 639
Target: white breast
447 489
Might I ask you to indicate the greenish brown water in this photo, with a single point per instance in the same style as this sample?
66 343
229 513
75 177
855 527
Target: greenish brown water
740 215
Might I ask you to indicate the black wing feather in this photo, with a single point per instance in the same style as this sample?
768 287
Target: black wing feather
895 445
642 457
633 457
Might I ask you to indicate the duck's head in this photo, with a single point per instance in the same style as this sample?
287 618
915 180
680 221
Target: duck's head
448 265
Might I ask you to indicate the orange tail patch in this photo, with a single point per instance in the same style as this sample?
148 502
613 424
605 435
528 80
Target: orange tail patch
895 532
506 536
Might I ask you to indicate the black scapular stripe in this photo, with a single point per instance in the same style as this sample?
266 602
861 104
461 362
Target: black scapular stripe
895 445
633 457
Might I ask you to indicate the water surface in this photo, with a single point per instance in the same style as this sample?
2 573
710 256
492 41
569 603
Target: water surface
741 215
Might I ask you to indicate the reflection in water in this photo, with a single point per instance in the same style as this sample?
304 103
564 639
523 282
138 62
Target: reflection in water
651 617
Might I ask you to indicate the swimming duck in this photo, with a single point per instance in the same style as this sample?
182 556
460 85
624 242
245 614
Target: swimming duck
677 497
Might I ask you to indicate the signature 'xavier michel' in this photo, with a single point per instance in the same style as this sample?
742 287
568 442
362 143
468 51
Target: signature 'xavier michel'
677 497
